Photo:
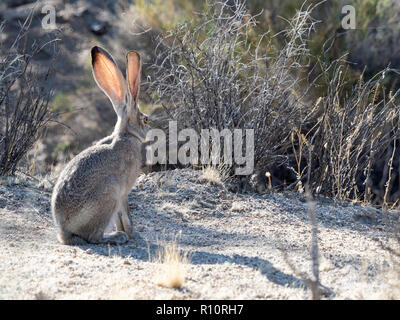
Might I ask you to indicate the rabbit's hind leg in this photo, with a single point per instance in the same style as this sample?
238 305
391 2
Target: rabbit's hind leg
69 238
95 229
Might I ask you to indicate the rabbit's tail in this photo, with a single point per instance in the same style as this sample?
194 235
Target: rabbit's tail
69 238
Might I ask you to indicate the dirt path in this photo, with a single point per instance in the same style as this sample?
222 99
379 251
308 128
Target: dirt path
234 243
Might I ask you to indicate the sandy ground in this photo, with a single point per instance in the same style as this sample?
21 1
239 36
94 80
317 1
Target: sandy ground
234 243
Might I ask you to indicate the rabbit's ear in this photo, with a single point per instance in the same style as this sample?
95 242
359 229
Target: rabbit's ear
108 76
133 69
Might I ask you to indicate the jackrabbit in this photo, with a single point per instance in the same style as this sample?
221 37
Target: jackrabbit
92 190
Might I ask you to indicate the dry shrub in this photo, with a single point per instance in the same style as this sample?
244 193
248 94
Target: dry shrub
171 272
351 149
217 175
219 72
24 98
215 73
211 174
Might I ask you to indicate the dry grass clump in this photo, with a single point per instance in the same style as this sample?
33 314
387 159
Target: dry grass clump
171 272
211 174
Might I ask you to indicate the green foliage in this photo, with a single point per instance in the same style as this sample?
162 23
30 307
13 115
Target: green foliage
61 103
272 17
369 10
165 14
61 147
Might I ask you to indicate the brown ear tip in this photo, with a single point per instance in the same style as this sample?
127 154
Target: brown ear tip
95 49
94 52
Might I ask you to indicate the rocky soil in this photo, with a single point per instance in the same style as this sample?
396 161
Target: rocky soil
238 245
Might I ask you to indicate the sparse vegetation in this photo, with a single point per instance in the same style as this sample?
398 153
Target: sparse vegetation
61 147
24 98
211 174
61 103
214 75
215 71
172 262
324 104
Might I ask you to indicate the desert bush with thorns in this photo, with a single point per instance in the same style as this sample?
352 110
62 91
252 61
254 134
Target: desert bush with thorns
24 98
217 72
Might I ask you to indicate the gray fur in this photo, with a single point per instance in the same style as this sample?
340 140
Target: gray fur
92 190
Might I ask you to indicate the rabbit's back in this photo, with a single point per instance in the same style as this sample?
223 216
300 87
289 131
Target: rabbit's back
93 176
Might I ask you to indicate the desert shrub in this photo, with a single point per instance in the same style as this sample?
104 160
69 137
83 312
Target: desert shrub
352 148
24 98
216 73
372 44
313 124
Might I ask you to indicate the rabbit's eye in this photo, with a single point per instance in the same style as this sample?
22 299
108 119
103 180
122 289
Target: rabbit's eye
145 120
